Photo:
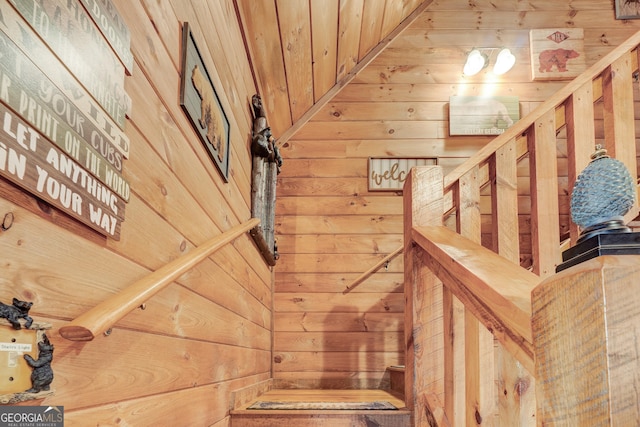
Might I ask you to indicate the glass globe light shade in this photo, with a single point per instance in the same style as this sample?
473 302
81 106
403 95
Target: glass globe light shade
475 62
504 62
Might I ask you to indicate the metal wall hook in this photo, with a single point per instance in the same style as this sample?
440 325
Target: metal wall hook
7 221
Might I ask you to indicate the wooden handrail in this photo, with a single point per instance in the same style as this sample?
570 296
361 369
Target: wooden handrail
101 317
372 270
502 303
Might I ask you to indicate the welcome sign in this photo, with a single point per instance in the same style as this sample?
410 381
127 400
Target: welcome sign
390 173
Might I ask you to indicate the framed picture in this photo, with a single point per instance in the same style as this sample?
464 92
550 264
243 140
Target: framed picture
482 115
557 53
199 100
627 9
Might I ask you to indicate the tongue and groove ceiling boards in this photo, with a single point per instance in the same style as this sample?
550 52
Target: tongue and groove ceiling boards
303 52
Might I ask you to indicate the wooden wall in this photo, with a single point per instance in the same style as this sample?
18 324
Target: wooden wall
176 362
330 228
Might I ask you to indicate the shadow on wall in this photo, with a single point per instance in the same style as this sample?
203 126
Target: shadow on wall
352 358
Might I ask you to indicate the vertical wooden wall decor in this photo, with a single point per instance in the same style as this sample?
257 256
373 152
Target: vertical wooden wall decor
557 53
199 100
266 166
64 114
482 115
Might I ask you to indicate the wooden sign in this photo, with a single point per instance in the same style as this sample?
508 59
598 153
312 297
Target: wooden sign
31 94
83 50
113 28
31 162
557 53
389 173
61 135
482 115
33 48
199 100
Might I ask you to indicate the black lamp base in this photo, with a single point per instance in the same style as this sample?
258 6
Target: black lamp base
601 244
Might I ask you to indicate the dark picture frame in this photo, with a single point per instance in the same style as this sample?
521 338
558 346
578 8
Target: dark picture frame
200 102
627 9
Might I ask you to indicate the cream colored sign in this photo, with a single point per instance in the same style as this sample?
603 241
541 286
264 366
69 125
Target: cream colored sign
390 173
15 346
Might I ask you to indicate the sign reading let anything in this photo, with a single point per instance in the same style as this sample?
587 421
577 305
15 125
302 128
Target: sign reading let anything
389 173
63 106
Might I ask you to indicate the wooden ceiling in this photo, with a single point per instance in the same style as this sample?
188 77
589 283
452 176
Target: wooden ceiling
304 51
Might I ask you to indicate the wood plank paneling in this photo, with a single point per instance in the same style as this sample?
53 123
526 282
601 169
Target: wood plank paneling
349 24
324 39
295 33
260 22
189 341
371 26
398 106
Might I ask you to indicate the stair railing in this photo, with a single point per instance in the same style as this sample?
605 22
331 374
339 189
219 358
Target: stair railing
512 199
103 316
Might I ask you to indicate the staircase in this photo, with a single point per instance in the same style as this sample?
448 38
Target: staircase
481 243
478 242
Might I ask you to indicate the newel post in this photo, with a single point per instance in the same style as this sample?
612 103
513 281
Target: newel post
423 293
586 335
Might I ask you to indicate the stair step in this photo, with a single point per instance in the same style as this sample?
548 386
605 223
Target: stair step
396 378
243 417
316 418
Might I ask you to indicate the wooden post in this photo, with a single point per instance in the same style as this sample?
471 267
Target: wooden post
586 329
424 340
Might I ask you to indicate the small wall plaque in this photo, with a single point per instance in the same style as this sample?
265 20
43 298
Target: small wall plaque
557 53
482 115
389 173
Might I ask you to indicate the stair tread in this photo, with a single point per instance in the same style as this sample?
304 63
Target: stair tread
324 395
401 417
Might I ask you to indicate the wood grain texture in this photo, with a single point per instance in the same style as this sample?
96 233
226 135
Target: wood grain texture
515 385
544 204
582 347
579 106
108 312
349 27
177 199
295 35
503 305
324 38
425 315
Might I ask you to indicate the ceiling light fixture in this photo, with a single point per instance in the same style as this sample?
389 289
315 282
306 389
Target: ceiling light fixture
478 59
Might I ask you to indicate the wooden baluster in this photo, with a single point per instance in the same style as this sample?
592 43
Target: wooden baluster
479 401
619 123
424 340
516 386
579 117
545 233
504 202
